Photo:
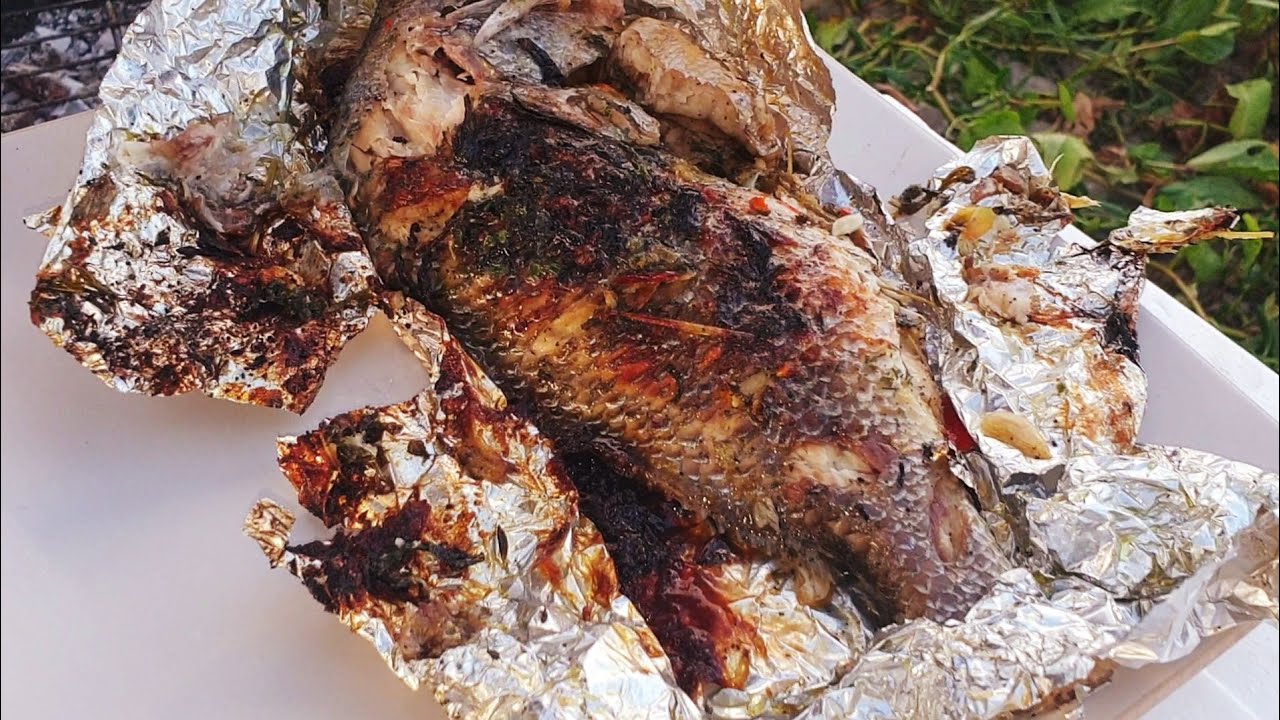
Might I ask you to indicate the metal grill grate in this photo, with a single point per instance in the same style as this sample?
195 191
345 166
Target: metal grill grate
54 53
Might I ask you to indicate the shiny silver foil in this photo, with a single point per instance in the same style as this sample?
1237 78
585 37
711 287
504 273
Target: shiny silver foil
1032 337
1034 327
164 280
802 650
459 553
202 247
1017 650
766 42
799 650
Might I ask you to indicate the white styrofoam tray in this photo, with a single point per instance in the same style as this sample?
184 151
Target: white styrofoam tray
129 592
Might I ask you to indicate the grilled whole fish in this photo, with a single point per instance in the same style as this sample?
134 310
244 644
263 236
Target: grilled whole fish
716 342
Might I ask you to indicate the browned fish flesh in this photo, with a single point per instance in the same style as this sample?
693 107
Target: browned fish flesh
716 342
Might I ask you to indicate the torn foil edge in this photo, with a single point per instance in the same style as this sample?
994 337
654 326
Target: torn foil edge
801 650
1178 544
127 269
541 628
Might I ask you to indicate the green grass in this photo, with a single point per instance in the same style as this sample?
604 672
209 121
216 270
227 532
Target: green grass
1166 103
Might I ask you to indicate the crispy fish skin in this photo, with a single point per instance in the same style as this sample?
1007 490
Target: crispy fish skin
715 342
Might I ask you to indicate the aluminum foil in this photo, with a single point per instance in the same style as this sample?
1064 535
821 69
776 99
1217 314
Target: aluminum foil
1034 329
1032 334
459 553
244 282
792 654
800 651
1016 651
767 43
1139 525
203 246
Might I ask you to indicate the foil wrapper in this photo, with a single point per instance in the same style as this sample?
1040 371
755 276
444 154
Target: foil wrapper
766 42
203 246
1140 525
1016 651
1034 329
459 553
1032 335
207 247
1152 231
781 654
798 652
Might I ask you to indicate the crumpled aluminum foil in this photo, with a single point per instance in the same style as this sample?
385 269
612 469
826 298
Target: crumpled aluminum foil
1017 650
801 650
202 247
1032 337
1034 329
139 265
1139 525
767 42
798 651
1153 231
459 553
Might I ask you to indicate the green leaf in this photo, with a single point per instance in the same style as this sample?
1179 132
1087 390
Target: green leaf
1253 105
1066 103
1250 248
1066 154
1120 175
980 79
996 122
1150 152
1205 262
1206 191
1210 50
1267 313
830 34
1183 15
1189 21
1248 159
1217 29
1103 11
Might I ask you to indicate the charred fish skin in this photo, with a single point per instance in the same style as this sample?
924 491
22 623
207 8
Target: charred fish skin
717 343
743 363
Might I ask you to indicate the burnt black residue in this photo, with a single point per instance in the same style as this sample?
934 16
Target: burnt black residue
294 304
379 561
582 209
749 300
551 74
571 201
661 554
328 492
1118 335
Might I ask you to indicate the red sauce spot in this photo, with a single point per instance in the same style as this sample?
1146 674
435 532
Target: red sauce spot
759 205
953 427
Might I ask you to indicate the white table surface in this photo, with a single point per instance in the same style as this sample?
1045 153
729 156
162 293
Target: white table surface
129 592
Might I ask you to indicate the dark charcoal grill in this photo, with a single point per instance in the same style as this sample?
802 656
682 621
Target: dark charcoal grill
54 54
